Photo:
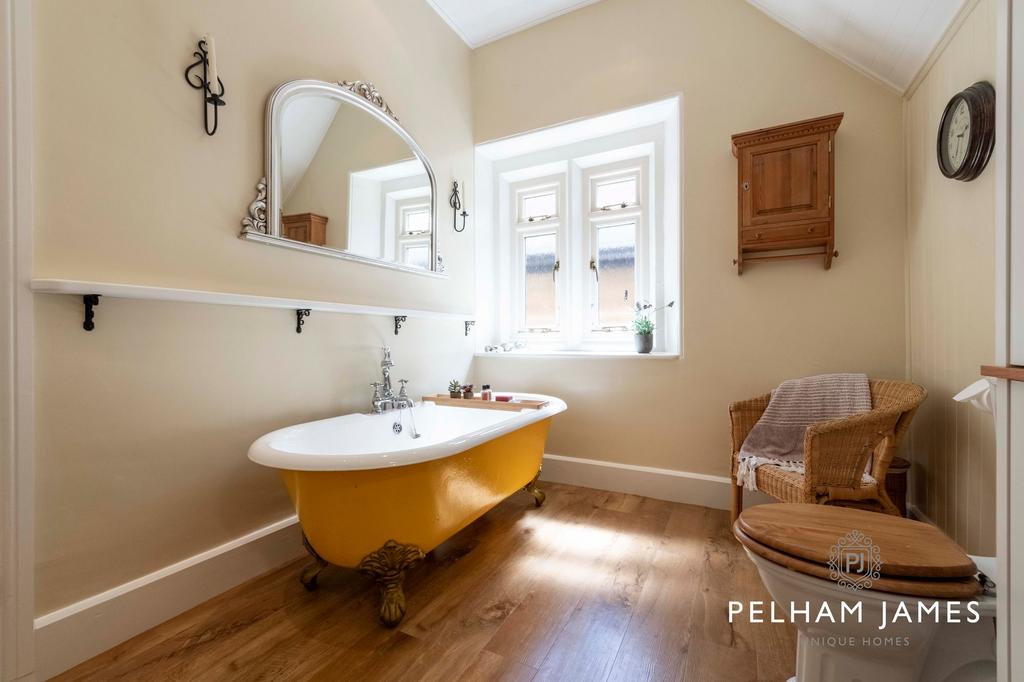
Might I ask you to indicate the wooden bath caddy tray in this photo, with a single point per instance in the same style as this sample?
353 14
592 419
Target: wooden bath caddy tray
442 399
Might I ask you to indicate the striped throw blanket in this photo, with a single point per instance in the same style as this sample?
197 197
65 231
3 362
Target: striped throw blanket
778 436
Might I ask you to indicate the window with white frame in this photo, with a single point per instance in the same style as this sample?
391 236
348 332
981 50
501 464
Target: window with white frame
615 235
413 226
580 235
538 240
576 247
389 211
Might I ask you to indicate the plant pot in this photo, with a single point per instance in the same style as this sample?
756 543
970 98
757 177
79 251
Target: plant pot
454 394
644 342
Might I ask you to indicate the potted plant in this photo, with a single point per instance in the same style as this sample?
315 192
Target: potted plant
454 388
643 325
643 334
467 392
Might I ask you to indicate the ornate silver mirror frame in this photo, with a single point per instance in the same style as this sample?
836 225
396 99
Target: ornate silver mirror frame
263 221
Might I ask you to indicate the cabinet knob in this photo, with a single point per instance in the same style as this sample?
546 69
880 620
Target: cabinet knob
757 235
810 230
746 186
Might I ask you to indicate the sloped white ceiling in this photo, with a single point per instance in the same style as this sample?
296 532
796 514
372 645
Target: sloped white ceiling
481 21
887 39
305 122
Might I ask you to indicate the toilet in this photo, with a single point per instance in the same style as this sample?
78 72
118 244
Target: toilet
818 558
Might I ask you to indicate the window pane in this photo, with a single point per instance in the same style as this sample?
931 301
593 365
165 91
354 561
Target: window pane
539 296
538 206
615 193
416 220
616 269
417 256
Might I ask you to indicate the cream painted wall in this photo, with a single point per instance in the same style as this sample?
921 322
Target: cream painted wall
130 188
736 70
951 314
143 424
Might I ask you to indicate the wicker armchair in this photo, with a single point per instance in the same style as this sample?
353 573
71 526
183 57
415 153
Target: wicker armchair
836 452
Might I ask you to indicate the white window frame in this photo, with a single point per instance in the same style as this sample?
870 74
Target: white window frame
597 217
575 225
412 206
616 172
522 228
406 244
526 190
402 240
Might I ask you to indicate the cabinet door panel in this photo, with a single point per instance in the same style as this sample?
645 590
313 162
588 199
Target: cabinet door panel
298 233
786 181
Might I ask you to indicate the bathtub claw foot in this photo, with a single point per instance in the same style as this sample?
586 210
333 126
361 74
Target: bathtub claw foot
388 566
310 573
538 494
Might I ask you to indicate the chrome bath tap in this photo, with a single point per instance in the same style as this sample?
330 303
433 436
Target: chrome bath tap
384 397
403 399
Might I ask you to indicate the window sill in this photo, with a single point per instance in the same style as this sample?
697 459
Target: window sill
593 355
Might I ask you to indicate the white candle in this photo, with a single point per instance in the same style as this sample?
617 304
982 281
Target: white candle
211 56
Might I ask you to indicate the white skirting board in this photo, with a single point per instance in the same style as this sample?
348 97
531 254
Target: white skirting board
76 633
704 490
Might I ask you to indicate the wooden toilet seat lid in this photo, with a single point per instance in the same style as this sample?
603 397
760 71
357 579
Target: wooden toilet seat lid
907 548
939 588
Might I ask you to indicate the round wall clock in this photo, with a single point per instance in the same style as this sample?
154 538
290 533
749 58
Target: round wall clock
967 132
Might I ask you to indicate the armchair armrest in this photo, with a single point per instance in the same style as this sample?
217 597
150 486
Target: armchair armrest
836 452
743 415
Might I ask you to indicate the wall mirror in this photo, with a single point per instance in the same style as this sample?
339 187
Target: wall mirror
344 179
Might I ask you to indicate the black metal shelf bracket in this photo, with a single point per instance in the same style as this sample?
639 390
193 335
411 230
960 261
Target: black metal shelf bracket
399 319
90 300
300 313
469 325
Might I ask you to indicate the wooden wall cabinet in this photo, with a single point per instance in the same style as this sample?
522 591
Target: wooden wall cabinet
305 227
787 191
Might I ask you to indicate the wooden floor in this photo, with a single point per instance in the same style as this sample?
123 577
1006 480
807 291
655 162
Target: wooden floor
593 586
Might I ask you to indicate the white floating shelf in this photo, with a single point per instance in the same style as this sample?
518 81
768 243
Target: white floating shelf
83 288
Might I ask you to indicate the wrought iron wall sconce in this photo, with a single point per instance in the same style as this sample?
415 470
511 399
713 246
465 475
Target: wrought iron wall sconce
399 319
207 82
469 325
300 313
456 203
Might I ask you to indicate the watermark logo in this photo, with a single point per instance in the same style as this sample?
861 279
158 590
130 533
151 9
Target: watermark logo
854 561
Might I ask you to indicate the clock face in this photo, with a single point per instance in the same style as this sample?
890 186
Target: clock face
958 135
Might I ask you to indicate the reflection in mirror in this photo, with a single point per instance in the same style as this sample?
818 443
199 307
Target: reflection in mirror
350 182
344 179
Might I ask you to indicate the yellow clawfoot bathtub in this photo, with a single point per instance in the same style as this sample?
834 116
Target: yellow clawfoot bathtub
376 497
